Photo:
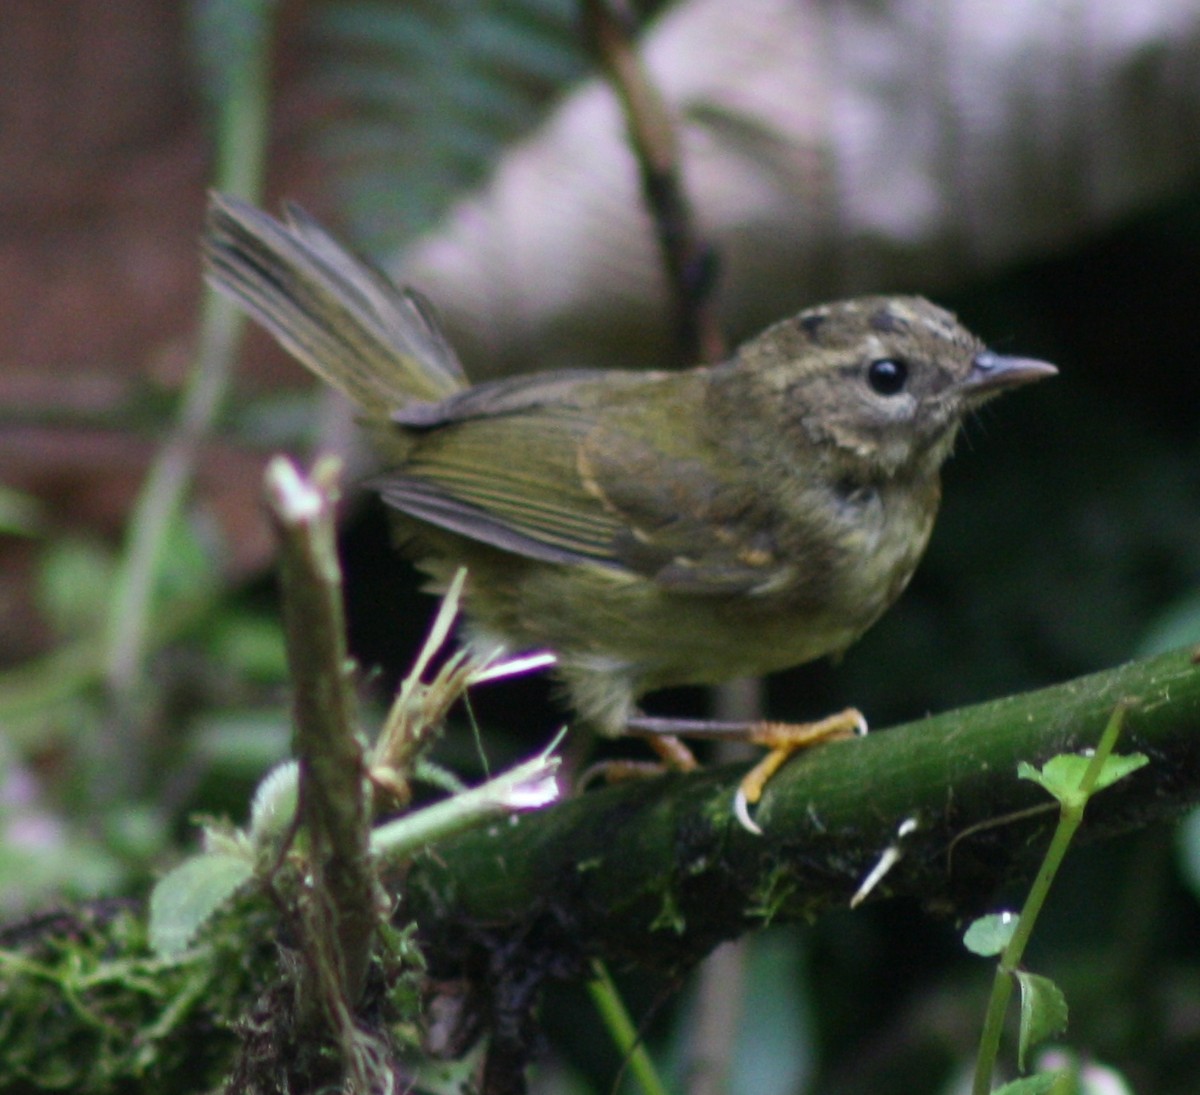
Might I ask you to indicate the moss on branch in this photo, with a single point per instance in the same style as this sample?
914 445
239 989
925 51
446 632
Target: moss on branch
659 871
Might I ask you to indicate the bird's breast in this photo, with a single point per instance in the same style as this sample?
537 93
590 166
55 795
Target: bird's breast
879 536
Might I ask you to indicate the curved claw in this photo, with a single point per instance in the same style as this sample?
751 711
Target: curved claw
741 810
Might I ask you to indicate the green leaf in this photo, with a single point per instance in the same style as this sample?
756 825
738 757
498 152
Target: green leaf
1118 766
187 896
251 646
1043 1012
1062 775
275 803
1044 1083
73 583
426 95
989 935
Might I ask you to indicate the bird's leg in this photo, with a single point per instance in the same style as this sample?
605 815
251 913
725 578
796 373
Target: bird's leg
782 739
673 753
674 756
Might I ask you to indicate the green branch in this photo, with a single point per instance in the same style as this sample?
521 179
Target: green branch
659 872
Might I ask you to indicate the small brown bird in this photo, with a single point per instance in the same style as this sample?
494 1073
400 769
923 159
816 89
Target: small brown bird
650 528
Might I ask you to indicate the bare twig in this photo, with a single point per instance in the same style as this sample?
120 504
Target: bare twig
333 785
689 261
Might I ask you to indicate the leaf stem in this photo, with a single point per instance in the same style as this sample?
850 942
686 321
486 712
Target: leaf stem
616 1018
527 786
1071 815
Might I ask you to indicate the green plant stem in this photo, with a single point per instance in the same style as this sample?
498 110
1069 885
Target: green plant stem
159 502
399 840
241 129
616 1018
1071 816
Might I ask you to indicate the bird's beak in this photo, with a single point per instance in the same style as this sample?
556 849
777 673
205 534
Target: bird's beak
991 372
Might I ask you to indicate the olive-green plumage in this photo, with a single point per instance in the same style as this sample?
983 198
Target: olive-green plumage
653 528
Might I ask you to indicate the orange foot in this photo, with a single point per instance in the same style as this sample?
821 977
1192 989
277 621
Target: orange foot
781 738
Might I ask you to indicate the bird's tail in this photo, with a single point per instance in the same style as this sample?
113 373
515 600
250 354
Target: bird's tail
343 319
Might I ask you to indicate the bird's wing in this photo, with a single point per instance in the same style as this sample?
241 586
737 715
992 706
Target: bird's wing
558 481
509 482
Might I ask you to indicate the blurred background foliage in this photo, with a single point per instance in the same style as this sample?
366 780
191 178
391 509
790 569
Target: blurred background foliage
477 76
1069 541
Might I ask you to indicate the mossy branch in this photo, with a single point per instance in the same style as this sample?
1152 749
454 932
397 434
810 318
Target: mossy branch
659 871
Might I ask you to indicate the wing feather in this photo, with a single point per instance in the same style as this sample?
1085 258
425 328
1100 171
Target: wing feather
556 481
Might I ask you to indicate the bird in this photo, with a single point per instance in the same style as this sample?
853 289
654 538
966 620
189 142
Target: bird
651 528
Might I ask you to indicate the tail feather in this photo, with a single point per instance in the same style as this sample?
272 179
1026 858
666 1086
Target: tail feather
343 319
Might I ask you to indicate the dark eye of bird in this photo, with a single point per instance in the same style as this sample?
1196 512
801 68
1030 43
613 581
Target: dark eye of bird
887 376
